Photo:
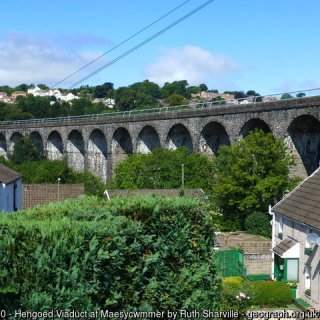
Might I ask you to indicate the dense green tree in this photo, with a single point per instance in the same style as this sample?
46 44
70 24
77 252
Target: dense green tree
147 94
203 87
162 169
286 96
13 112
252 93
60 109
26 150
258 223
239 95
147 87
300 95
8 90
193 89
48 171
103 91
81 106
178 87
176 99
251 175
22 87
43 86
125 98
39 107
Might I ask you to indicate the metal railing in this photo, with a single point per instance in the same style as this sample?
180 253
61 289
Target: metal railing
165 110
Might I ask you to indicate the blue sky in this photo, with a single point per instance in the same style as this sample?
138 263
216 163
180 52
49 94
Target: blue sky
269 46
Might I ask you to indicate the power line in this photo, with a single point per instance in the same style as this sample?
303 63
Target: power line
123 42
143 43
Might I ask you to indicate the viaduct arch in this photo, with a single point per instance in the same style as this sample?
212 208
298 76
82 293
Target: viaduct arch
99 144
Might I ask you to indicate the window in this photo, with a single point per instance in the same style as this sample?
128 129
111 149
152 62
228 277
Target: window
292 269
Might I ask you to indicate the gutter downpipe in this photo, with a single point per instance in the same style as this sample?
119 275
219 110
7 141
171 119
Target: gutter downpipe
272 242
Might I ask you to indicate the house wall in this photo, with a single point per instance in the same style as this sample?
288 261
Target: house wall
297 231
7 195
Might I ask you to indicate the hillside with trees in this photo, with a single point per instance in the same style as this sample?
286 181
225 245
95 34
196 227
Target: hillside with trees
92 99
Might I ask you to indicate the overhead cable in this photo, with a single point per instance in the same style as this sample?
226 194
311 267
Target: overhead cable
142 43
121 43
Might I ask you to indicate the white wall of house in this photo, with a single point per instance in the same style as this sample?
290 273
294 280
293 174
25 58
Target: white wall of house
11 194
309 265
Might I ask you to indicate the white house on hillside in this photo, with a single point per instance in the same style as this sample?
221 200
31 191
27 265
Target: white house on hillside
37 92
10 190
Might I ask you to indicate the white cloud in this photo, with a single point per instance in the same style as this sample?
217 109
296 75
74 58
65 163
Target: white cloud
43 59
189 63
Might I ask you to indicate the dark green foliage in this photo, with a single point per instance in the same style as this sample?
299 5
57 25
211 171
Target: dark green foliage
251 175
145 254
258 223
13 112
286 96
39 107
176 99
125 98
26 150
178 87
139 95
225 224
161 169
48 171
103 91
272 293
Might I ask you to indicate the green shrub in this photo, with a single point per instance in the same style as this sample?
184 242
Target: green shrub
230 292
260 293
26 150
272 293
237 280
258 223
147 253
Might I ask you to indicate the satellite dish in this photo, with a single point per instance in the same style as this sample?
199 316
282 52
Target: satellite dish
318 241
312 237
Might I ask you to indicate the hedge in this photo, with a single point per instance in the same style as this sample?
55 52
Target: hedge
272 293
261 293
145 254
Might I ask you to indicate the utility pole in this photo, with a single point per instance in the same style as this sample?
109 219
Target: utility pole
59 179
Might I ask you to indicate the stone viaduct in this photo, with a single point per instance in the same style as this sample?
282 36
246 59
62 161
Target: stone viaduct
98 143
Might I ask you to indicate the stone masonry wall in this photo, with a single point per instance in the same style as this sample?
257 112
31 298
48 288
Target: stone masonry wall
97 144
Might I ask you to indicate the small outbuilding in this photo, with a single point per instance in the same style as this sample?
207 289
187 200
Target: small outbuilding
10 189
